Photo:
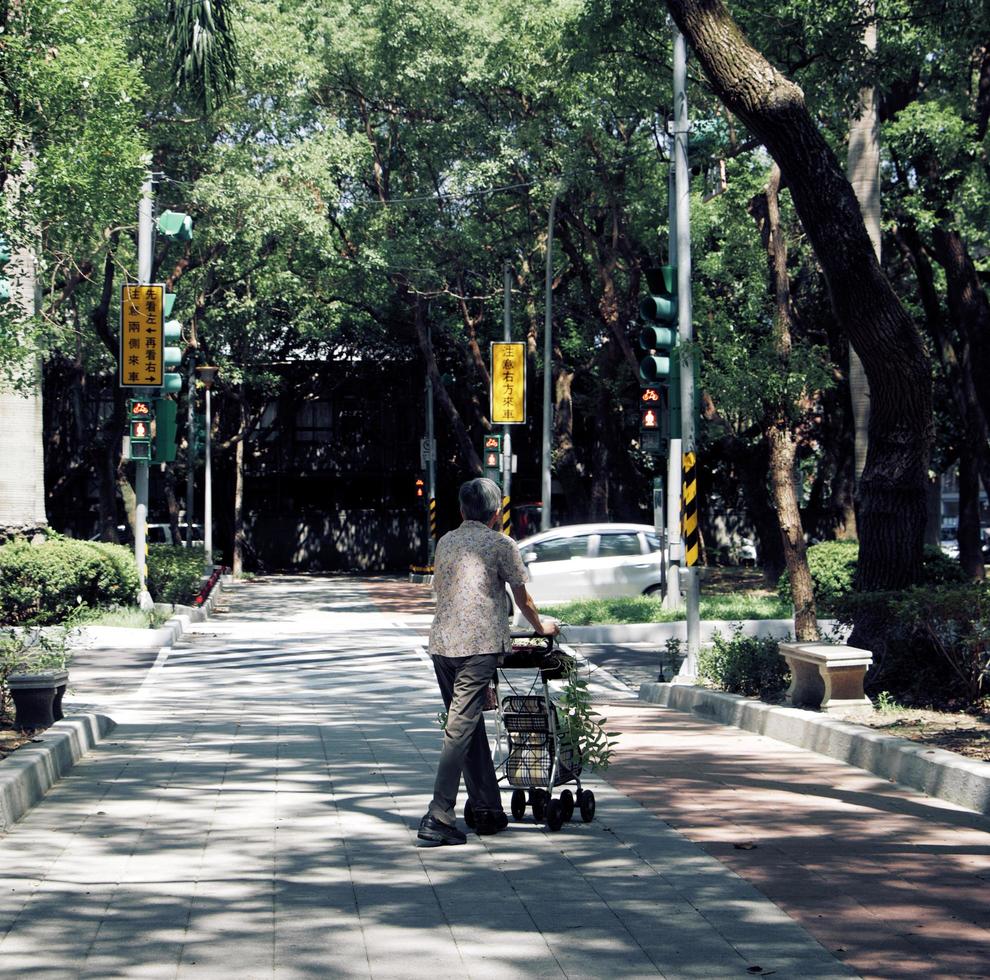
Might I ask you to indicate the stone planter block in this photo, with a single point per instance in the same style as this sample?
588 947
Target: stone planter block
37 698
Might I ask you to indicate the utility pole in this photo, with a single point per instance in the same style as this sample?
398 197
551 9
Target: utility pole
682 179
145 253
548 373
672 598
190 442
506 429
431 467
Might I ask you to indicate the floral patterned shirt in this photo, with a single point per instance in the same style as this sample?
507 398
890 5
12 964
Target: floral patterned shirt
472 566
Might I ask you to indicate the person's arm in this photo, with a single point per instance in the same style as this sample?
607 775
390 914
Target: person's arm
526 606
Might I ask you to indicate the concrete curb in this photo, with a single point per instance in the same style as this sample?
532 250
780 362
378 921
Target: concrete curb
938 773
27 774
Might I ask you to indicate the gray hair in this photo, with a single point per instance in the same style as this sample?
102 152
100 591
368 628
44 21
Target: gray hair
480 499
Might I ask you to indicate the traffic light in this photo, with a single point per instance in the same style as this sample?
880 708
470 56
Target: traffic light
492 457
658 337
4 281
140 419
653 420
172 356
163 444
174 224
420 488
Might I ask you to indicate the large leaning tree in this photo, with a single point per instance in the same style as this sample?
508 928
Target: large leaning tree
891 495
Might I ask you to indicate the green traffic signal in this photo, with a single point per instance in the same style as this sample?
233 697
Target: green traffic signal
172 357
4 259
659 334
166 414
175 224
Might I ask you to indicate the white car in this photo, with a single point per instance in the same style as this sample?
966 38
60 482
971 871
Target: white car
592 561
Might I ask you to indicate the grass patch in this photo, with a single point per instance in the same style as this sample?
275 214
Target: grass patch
130 617
647 609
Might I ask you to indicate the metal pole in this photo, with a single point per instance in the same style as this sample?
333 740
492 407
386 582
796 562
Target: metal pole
672 598
190 455
207 495
685 333
506 429
547 372
431 464
145 251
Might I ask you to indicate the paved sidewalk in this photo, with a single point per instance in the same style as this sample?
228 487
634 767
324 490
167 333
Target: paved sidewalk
254 812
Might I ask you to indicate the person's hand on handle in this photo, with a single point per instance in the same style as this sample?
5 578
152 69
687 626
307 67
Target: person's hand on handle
545 627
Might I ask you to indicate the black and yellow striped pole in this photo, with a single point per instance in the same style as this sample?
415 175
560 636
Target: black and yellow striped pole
690 532
507 516
433 527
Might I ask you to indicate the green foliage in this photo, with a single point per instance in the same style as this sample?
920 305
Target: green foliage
933 642
47 582
833 569
579 726
833 572
29 652
649 609
174 573
744 665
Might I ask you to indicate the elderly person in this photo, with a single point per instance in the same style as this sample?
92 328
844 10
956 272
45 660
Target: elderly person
472 566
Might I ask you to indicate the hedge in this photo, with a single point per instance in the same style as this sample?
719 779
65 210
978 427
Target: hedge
174 573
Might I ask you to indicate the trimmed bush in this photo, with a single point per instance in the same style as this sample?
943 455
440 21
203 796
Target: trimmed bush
931 643
744 665
833 571
833 567
45 583
174 573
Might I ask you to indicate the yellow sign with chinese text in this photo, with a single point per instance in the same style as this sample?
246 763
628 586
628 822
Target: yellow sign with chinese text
142 336
508 383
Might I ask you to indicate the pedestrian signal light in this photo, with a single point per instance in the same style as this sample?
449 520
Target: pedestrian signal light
650 419
420 485
140 425
491 460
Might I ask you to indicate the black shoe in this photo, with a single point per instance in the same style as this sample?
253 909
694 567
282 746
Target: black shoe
433 833
490 821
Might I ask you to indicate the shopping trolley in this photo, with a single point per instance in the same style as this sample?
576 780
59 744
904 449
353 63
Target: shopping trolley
531 756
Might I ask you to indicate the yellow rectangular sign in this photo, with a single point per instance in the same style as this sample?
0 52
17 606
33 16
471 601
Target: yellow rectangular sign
508 383
142 336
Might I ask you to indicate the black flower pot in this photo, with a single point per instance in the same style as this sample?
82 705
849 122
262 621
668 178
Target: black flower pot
37 697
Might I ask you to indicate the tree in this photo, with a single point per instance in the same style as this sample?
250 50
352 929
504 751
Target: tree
891 497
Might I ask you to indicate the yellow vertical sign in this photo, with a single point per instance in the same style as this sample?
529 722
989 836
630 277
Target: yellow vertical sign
142 336
508 383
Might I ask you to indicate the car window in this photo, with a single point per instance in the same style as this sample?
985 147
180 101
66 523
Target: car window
619 545
653 542
560 549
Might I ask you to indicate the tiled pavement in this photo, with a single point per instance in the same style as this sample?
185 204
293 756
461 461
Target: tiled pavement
253 815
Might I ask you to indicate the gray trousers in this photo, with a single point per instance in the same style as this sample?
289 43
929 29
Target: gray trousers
463 682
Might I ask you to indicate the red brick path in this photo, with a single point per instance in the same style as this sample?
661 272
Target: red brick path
894 883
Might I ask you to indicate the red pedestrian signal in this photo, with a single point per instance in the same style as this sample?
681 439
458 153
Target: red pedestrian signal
420 485
649 418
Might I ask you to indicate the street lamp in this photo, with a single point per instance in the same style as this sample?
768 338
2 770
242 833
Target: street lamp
207 373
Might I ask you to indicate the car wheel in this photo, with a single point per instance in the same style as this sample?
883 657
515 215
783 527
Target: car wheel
654 590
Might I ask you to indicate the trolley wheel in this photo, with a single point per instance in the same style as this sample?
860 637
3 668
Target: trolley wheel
555 815
586 801
469 814
567 804
518 804
538 798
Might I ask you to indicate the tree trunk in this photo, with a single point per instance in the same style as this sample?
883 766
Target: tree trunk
780 434
891 495
968 533
863 167
237 559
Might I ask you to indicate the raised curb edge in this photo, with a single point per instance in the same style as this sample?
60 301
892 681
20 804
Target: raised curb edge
27 774
942 774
